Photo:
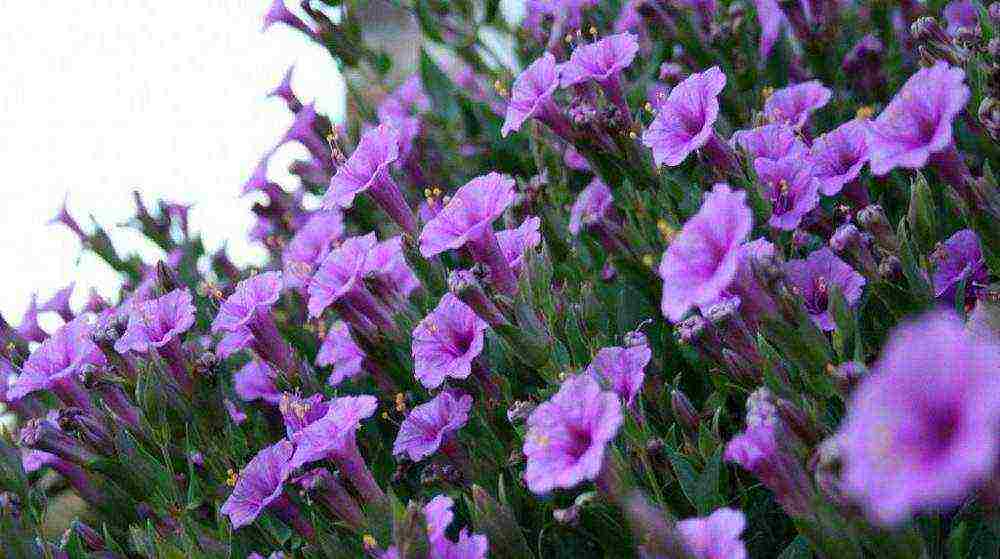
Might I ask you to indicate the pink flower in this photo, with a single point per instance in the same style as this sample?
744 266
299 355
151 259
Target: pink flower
684 121
427 425
446 342
794 104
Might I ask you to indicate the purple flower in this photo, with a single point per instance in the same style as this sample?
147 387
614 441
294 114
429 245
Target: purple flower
57 363
341 353
921 430
959 14
334 432
387 265
303 131
574 160
255 381
794 104
339 282
568 433
29 328
602 61
439 516
65 218
446 342
771 141
514 243
839 155
958 259
309 246
531 94
622 369
252 296
684 121
235 413
593 203
701 261
917 122
367 170
467 220
284 91
791 188
813 278
59 303
298 413
260 483
154 323
771 20
427 425
278 13
716 536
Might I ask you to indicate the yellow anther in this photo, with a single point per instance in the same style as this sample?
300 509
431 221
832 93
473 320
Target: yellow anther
864 112
368 541
400 402
231 477
767 92
647 259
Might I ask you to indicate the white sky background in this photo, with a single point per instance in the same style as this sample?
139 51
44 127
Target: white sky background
103 97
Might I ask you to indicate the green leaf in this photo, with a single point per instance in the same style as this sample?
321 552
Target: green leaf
798 549
701 489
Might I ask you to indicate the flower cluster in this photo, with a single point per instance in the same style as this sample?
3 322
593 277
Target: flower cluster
712 301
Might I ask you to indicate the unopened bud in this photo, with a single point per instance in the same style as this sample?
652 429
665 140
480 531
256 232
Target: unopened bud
684 411
989 112
873 220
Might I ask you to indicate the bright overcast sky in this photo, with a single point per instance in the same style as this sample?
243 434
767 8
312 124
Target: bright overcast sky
102 97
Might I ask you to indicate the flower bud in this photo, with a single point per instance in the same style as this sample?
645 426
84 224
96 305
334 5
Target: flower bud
43 434
873 220
88 428
989 109
684 412
90 537
847 375
921 214
499 525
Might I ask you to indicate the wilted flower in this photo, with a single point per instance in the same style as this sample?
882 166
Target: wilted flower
791 188
427 425
622 369
921 430
701 261
839 155
716 536
917 122
958 259
684 122
467 220
594 203
794 104
814 277
446 342
567 435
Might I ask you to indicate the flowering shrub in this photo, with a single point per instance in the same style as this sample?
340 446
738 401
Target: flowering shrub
690 280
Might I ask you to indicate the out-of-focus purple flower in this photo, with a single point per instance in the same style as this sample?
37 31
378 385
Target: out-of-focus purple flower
684 121
839 155
367 170
514 243
340 352
278 13
603 62
716 536
771 20
701 261
304 131
622 369
387 264
863 64
959 14
917 122
255 381
404 101
427 425
791 188
794 104
593 203
958 259
310 245
157 322
467 221
29 328
258 181
438 515
531 96
234 412
567 435
284 91
813 277
260 483
59 303
57 363
446 342
771 141
65 218
567 16
574 160
921 430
